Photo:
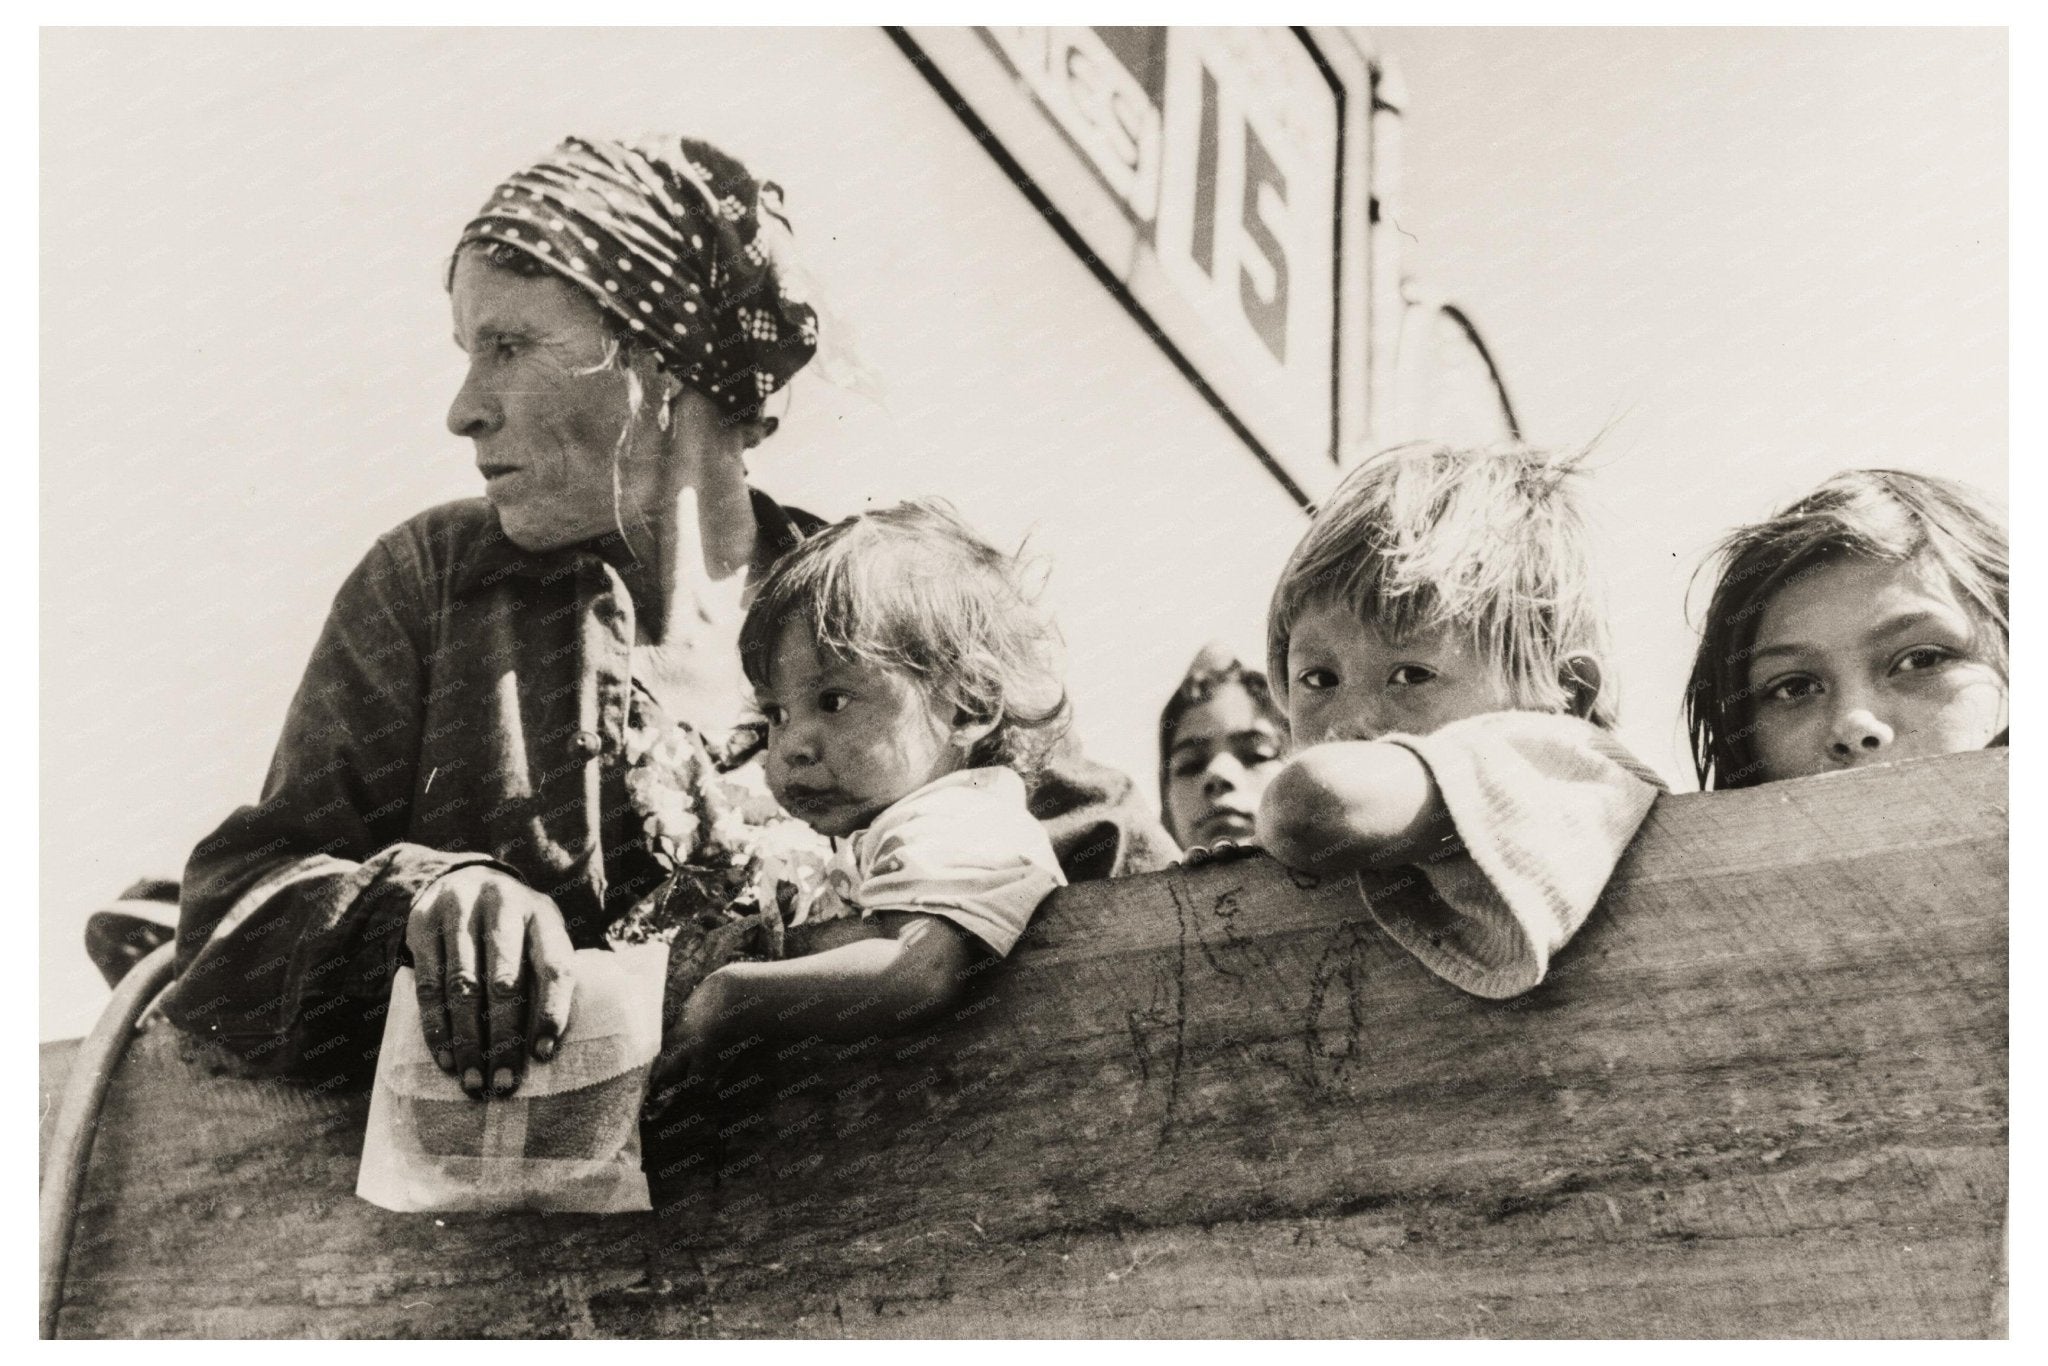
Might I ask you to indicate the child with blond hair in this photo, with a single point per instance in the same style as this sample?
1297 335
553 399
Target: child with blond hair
1438 647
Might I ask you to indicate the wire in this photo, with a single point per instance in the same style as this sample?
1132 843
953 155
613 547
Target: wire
70 1151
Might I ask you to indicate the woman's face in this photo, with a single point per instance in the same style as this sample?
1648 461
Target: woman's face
1224 751
1863 662
542 405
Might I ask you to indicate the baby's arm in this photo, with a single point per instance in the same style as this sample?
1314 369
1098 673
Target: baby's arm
1341 807
912 965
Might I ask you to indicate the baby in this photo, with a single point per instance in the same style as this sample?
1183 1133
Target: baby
1864 623
906 678
1436 643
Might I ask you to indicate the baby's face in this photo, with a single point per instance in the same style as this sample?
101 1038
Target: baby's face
1861 662
846 739
1346 681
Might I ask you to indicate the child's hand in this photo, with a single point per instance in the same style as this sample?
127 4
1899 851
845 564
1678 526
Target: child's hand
1222 851
695 954
689 1029
693 1006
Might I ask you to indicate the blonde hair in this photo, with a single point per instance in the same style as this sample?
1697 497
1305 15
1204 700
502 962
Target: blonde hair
912 588
1890 516
1489 540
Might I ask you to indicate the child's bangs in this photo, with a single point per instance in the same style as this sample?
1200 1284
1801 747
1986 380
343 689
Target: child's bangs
1518 588
865 608
1489 543
1380 592
1979 578
1888 521
840 602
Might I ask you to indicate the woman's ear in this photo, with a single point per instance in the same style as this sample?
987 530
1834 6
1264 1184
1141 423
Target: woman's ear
699 422
970 730
1580 675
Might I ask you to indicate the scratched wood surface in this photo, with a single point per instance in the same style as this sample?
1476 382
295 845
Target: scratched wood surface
1763 1094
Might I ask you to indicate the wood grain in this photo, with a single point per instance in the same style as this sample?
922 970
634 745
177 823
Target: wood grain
1762 1095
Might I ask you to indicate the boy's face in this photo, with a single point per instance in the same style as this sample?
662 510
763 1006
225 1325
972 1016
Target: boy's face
1346 681
1864 662
846 739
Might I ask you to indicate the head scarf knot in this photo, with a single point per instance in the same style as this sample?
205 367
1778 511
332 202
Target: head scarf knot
679 243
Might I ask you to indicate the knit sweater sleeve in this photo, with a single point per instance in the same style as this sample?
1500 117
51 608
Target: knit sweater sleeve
1544 807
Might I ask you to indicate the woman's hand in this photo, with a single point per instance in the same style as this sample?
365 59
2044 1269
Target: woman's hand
494 967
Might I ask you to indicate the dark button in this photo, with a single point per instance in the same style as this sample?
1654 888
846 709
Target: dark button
588 744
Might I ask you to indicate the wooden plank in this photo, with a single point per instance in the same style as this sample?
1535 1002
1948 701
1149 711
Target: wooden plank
1764 1094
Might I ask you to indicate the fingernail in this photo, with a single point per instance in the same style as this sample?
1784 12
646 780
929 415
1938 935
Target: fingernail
445 1060
501 1080
472 1080
545 1049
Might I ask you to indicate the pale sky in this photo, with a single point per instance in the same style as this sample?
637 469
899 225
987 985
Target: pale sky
1750 258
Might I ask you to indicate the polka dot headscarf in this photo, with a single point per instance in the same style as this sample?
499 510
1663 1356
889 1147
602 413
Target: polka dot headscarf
681 244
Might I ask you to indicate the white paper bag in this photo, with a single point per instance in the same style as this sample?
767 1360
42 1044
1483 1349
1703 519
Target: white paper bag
567 1140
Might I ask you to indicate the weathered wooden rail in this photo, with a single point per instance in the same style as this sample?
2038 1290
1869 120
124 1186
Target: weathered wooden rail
1764 1094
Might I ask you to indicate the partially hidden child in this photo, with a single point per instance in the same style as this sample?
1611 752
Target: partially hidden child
1436 641
907 679
1863 623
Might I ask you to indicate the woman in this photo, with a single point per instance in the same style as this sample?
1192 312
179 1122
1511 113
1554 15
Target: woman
1221 739
450 784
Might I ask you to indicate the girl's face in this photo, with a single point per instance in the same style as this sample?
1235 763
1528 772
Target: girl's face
1861 662
846 739
1346 681
1224 752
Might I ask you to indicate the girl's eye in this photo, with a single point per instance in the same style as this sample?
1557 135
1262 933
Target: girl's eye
1922 657
834 700
775 715
1259 754
1189 764
1317 680
1408 675
1792 689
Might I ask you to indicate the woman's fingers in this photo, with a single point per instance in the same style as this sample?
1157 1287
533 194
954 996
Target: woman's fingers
494 967
550 960
503 923
423 940
464 990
